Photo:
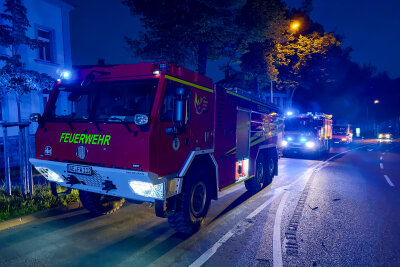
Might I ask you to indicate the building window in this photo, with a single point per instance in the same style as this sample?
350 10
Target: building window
45 52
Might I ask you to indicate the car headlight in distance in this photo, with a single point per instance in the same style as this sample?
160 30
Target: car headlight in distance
344 139
310 144
388 136
284 143
380 136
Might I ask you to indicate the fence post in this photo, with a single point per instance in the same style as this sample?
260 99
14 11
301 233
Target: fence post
6 161
28 164
21 161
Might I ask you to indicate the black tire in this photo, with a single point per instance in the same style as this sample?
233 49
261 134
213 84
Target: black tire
256 183
192 204
99 204
270 170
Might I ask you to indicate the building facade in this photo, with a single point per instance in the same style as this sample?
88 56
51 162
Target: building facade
49 20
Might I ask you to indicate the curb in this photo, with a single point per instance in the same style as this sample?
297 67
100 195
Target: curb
40 215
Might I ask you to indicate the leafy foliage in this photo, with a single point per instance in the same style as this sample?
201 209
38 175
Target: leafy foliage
15 79
13 31
20 205
288 58
184 32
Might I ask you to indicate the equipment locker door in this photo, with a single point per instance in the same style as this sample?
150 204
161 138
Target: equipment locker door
242 144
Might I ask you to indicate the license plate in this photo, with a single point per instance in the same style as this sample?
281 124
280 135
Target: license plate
86 170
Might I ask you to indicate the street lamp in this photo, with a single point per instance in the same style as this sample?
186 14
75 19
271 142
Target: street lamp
294 26
376 101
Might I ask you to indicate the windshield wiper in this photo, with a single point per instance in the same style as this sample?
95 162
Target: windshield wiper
90 77
121 120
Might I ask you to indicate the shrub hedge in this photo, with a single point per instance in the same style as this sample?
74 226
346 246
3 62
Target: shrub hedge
18 205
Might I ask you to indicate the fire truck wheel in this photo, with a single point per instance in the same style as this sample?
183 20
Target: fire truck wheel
192 204
100 204
270 170
256 183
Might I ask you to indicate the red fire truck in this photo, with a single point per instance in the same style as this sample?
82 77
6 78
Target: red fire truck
307 134
154 132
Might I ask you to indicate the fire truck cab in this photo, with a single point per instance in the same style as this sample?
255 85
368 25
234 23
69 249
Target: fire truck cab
307 134
154 132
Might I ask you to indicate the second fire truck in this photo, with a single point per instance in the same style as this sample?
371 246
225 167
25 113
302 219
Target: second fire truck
154 132
307 134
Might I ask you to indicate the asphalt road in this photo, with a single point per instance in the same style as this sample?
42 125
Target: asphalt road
343 210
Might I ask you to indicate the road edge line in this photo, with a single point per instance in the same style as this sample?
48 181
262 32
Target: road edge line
277 259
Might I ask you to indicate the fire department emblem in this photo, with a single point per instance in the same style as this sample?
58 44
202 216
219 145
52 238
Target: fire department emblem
48 151
176 144
200 104
81 152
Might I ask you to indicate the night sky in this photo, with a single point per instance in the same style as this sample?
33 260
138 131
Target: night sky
369 26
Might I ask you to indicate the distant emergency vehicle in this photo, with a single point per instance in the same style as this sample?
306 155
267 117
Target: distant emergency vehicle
307 134
384 137
154 132
342 134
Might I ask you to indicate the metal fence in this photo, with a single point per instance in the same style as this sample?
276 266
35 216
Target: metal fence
26 179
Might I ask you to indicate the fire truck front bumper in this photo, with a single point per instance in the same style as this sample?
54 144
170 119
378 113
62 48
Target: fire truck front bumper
129 184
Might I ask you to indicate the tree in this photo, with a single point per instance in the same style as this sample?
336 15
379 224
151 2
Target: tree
289 58
14 78
262 22
184 32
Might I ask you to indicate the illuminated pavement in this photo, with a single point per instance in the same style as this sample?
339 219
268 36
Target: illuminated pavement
341 212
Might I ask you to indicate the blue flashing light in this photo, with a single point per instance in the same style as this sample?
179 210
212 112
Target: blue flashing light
290 139
303 139
289 113
65 75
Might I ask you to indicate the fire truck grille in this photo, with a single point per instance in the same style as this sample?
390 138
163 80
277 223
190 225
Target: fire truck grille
95 179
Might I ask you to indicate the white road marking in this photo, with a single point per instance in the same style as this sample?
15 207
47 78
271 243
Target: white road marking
369 149
276 240
238 228
388 180
380 164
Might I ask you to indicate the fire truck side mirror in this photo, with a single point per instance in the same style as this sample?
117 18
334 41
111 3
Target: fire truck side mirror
35 117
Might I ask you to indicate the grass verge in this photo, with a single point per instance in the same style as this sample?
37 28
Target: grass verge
19 205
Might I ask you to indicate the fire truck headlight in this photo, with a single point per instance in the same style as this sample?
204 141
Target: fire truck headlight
388 136
141 119
147 189
380 135
50 175
284 143
310 144
141 188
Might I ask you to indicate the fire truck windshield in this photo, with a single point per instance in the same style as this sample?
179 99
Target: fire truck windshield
105 101
299 124
339 130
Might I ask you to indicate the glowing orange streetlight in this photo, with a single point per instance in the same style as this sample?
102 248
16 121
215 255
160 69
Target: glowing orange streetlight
294 26
376 101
